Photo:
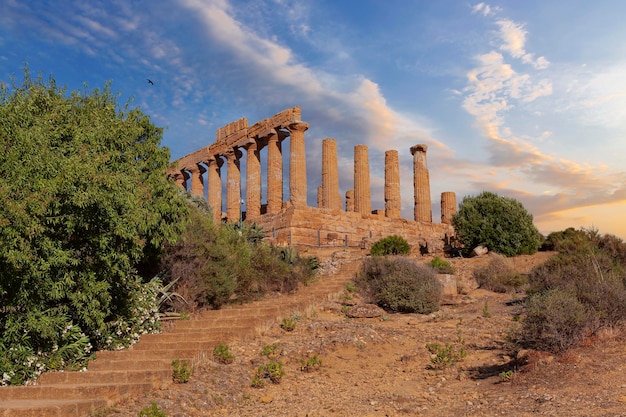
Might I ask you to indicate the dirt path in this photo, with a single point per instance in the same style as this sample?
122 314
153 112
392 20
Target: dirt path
381 367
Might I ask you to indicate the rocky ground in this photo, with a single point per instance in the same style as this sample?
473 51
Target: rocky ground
381 366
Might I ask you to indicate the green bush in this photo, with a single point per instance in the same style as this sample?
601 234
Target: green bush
501 224
441 266
499 276
85 205
391 245
399 285
555 321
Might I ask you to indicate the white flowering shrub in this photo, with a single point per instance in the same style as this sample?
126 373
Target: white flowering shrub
54 342
141 316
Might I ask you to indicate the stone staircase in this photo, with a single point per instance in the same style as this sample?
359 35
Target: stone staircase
115 375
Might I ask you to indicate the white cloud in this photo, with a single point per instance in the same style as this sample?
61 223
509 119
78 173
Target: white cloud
513 36
596 95
482 8
496 88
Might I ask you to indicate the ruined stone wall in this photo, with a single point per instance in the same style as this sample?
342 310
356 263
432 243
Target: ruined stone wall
308 226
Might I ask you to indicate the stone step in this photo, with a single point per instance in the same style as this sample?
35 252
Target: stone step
140 355
134 364
51 408
198 335
162 373
205 346
107 391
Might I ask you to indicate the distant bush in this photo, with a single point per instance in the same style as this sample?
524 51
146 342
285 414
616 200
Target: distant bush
501 224
399 285
391 245
499 276
566 239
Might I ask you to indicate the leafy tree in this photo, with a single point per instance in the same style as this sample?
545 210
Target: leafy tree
501 224
83 199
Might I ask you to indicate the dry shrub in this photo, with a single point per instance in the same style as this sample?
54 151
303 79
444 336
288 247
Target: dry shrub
499 276
215 264
555 321
399 285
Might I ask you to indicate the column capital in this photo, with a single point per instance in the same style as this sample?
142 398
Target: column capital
195 168
215 159
233 154
419 148
298 127
251 144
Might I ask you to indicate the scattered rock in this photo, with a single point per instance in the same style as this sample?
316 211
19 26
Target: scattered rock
365 311
479 251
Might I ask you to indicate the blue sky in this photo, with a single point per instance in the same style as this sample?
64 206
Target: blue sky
525 99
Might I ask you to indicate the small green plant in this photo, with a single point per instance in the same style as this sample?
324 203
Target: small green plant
221 353
391 245
310 364
152 411
273 370
444 356
181 371
258 381
289 323
350 287
506 375
441 266
271 351
486 312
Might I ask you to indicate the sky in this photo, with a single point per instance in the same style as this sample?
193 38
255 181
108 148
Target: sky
523 99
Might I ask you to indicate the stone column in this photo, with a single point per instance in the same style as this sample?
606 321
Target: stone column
320 198
215 186
362 198
297 164
350 200
392 185
421 182
274 173
233 185
197 181
253 181
186 180
331 199
448 206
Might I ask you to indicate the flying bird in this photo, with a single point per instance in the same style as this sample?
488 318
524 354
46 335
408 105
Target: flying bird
150 81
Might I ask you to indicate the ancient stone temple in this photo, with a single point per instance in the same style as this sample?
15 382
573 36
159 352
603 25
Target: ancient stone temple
293 222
